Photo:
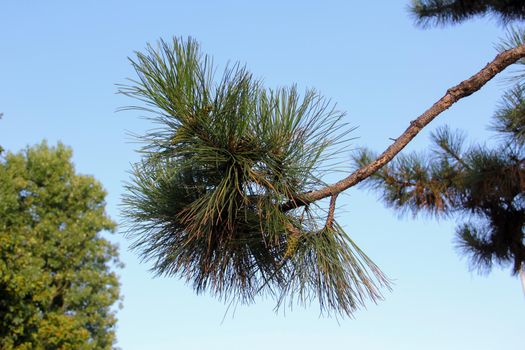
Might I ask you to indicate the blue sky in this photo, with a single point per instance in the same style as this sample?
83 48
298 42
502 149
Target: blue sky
60 61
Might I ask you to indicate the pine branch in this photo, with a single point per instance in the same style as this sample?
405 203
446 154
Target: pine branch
454 94
449 145
455 156
442 12
331 212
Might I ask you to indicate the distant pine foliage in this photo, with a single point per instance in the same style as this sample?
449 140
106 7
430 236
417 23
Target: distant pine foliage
205 201
484 186
441 12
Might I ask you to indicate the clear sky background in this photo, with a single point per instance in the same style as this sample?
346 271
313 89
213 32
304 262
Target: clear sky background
60 61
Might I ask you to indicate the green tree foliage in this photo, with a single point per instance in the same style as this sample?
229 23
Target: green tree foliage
56 287
205 202
442 12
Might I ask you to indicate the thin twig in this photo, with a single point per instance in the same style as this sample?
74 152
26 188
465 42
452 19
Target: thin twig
331 210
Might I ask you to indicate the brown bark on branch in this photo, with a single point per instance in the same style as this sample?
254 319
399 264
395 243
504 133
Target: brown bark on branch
454 94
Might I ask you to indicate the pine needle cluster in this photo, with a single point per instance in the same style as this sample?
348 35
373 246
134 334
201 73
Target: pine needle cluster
441 12
205 201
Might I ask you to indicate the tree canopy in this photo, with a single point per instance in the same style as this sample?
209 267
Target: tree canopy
56 284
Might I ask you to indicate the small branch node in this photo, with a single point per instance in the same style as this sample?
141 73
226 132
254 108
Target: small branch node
417 124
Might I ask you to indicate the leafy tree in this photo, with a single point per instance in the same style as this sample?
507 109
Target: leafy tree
485 185
56 287
227 193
